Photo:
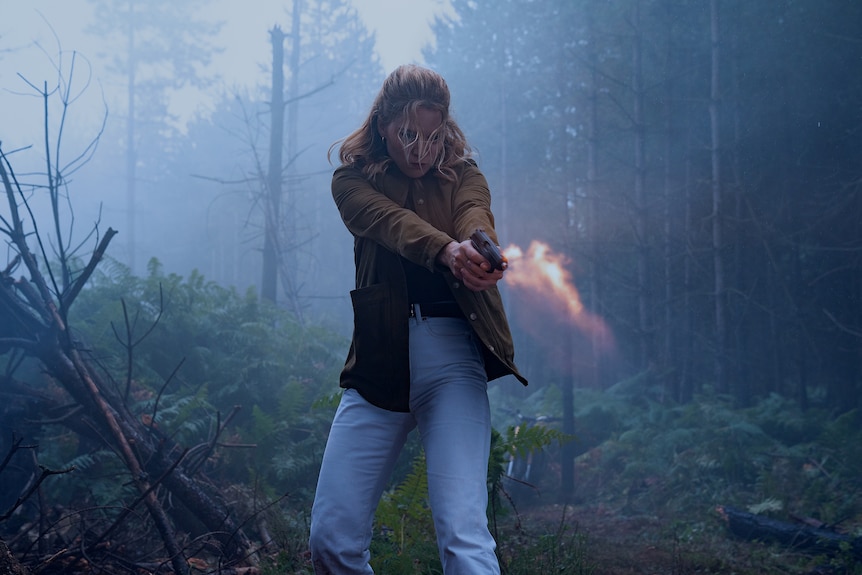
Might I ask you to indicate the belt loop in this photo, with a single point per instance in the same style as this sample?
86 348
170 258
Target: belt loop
417 311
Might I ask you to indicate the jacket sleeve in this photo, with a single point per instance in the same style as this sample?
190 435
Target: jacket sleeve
371 214
472 204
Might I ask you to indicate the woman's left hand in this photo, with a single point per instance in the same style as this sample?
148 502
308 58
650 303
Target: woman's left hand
468 266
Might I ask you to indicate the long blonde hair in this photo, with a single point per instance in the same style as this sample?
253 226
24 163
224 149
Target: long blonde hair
406 89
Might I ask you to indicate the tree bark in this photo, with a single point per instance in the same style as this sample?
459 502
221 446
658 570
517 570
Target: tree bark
8 564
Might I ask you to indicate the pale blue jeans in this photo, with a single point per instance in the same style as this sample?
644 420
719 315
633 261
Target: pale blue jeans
449 406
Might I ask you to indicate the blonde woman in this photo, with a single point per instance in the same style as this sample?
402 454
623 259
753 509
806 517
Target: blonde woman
429 330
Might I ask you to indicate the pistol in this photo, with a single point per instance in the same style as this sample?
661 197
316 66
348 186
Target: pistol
489 250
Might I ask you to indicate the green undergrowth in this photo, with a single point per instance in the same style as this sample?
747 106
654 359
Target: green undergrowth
649 475
650 478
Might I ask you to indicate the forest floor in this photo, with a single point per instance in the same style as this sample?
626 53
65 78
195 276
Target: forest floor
593 540
620 544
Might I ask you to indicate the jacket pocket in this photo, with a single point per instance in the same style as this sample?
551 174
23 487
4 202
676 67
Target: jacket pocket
378 362
372 321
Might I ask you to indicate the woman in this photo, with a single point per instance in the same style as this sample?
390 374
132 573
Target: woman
429 330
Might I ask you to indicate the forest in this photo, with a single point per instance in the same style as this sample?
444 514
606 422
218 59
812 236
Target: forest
175 310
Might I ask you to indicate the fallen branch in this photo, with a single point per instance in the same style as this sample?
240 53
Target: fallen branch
8 564
33 324
801 537
46 473
128 510
16 445
39 329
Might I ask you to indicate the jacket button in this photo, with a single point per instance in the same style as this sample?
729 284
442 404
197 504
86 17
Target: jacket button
420 201
491 347
456 285
473 316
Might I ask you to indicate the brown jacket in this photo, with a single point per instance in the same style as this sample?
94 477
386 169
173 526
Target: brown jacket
378 360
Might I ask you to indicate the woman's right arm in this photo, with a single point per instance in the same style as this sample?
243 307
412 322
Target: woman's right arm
369 213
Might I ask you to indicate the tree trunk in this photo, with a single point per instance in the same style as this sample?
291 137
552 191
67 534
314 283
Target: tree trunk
641 216
592 186
567 450
131 148
686 384
288 257
721 380
272 203
671 384
742 326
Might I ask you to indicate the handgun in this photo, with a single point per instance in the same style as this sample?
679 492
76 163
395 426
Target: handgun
489 250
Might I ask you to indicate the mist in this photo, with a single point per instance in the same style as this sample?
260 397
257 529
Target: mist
693 169
201 127
678 180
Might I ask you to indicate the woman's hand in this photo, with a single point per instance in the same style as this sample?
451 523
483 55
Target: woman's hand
468 266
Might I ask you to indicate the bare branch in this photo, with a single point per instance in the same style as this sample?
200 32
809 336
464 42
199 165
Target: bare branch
161 391
46 473
130 345
78 285
16 445
128 510
841 326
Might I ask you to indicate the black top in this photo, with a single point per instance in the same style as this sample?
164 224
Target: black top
424 286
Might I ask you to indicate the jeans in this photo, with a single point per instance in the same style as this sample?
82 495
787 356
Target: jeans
449 406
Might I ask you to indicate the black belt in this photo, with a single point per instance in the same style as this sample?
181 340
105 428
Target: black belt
436 309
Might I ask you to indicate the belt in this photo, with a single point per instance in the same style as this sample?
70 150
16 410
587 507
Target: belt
436 309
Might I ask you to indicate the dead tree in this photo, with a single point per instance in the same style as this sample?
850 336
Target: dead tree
34 311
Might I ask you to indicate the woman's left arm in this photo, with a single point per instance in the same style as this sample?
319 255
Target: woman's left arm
472 210
472 204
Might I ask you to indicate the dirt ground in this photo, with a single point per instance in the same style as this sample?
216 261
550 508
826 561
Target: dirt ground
617 544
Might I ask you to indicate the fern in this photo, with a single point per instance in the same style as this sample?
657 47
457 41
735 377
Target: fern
525 440
497 461
87 461
292 400
766 506
404 526
236 350
263 425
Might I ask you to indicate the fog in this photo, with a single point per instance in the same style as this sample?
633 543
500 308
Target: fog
677 183
661 168
190 219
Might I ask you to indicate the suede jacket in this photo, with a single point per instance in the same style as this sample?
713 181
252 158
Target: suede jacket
384 230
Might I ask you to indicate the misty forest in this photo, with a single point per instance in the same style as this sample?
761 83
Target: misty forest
677 185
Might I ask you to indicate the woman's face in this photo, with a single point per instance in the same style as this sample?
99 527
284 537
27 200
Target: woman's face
415 147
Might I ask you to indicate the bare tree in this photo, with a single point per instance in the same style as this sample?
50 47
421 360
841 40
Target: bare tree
157 35
34 323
